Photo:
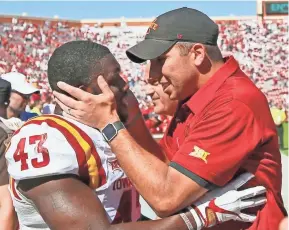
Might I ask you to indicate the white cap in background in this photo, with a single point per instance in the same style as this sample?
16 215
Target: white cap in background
19 83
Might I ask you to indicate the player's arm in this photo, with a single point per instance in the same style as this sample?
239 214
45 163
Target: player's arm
64 202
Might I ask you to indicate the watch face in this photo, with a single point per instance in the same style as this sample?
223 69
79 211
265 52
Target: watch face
109 132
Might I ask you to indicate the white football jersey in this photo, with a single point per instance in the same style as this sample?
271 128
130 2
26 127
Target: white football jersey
53 145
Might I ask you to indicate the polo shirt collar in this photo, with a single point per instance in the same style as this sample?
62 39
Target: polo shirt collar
204 95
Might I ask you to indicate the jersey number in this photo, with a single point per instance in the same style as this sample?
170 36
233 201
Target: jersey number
22 156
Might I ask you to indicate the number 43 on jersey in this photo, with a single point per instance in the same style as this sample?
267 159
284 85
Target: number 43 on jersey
22 156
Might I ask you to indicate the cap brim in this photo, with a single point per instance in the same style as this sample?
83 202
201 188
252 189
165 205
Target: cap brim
24 88
148 49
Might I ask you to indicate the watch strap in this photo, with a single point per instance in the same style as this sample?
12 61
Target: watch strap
108 135
118 125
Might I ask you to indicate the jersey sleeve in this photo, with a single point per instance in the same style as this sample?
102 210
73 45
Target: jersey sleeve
217 146
44 148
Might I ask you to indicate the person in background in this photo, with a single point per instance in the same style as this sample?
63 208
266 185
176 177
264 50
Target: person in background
48 106
20 94
163 105
36 103
7 213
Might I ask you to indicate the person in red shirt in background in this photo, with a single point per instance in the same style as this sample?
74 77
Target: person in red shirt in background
163 107
222 126
36 103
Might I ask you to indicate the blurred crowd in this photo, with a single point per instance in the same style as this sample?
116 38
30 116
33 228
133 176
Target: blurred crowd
260 48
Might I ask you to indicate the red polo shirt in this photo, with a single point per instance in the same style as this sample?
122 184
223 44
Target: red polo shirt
224 129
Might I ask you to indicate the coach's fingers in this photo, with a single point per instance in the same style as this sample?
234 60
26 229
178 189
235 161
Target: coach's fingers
251 192
62 106
253 202
80 119
247 218
68 116
75 92
104 87
71 116
73 112
66 101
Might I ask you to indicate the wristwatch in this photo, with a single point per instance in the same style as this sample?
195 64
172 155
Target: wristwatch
111 130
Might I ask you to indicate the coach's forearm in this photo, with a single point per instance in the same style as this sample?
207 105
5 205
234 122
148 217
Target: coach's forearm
151 177
143 137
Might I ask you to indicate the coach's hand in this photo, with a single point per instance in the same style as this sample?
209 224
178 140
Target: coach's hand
94 110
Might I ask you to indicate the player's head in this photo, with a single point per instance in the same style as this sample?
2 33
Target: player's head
182 46
79 63
162 102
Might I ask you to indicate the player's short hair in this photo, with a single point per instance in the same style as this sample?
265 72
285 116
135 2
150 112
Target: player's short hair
75 63
213 52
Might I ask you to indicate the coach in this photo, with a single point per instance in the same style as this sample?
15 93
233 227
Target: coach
222 126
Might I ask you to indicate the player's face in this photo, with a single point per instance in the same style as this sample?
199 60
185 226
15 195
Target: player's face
177 74
162 102
117 85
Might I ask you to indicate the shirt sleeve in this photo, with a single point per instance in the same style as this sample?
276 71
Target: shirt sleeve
219 143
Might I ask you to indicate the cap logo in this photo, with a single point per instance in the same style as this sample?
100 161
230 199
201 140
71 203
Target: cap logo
179 36
153 26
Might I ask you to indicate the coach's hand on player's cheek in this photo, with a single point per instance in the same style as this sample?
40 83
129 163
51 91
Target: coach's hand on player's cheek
94 110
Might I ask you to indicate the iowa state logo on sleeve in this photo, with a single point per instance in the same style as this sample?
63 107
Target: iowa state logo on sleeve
200 153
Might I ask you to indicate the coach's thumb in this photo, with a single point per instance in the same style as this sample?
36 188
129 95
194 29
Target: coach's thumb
104 87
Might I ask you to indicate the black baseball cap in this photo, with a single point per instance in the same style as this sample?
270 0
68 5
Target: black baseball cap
180 25
5 91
